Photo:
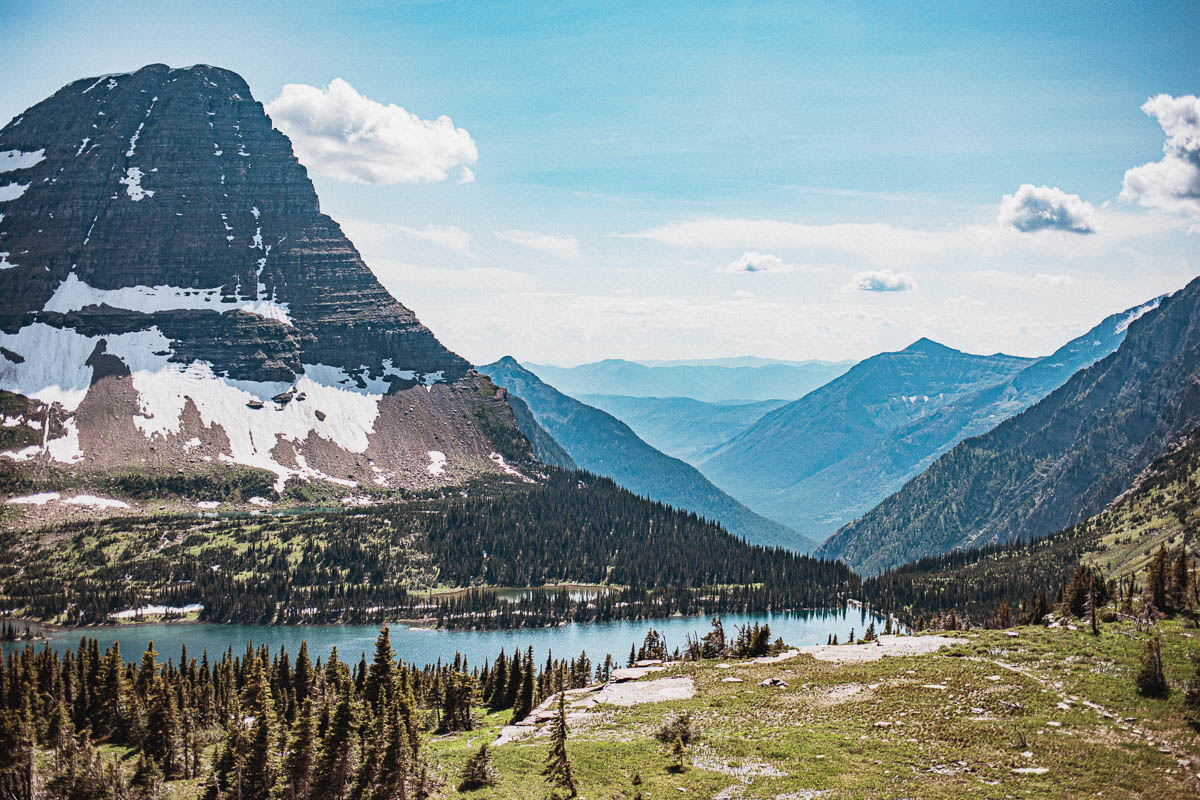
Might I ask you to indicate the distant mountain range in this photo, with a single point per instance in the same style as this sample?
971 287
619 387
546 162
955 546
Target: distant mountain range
1055 463
831 456
708 382
816 462
599 443
680 426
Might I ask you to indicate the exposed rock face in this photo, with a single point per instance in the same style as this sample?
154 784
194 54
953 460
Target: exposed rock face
169 284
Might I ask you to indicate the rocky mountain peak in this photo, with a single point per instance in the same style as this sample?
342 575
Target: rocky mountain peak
157 232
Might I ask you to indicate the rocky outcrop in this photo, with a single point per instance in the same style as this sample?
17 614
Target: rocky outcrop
170 285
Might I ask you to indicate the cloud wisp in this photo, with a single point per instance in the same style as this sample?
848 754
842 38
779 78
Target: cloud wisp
564 247
1173 182
753 261
341 134
1038 208
881 280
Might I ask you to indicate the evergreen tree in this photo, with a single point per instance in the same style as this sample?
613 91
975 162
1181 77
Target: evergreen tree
479 771
261 762
524 702
301 753
558 770
678 754
515 678
378 685
336 764
1156 579
499 680
1178 593
1150 680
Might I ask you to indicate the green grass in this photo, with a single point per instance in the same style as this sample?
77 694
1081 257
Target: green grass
964 740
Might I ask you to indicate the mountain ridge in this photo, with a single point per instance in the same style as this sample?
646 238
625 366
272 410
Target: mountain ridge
602 444
1055 463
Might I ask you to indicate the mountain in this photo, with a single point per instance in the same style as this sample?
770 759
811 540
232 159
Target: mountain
680 426
800 464
1055 463
1160 509
705 382
732 361
173 299
868 465
602 444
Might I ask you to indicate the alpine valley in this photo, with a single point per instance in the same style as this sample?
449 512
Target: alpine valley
920 573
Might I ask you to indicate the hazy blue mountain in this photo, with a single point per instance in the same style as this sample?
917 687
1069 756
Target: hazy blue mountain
705 382
834 455
791 464
1057 462
602 444
680 426
729 361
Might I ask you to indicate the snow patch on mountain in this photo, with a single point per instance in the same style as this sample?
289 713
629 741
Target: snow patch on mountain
15 159
133 184
12 191
1137 314
74 294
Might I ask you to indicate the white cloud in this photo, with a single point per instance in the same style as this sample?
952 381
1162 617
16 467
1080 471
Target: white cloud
1173 182
378 237
752 261
1037 208
341 134
893 246
564 247
881 280
466 175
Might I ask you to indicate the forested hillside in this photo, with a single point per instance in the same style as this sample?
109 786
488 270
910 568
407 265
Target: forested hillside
600 443
380 562
1162 511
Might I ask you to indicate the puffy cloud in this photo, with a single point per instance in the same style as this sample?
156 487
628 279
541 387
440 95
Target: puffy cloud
1037 208
1173 182
565 247
881 280
339 133
752 261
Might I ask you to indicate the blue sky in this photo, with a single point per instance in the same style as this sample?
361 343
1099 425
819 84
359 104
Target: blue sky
626 155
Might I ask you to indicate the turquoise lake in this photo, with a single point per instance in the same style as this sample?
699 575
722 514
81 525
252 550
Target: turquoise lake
422 645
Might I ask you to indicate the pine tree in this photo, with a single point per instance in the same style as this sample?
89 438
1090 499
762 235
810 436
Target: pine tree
261 763
1179 580
378 685
479 771
513 689
1156 579
558 770
678 754
1151 681
499 679
335 766
301 754
524 702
